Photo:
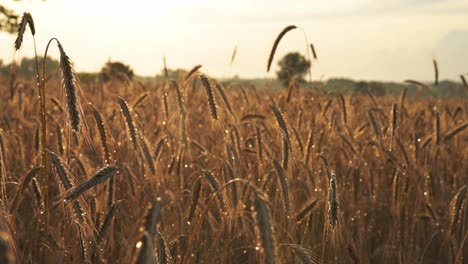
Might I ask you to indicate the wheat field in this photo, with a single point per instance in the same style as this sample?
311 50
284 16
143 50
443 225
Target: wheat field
195 170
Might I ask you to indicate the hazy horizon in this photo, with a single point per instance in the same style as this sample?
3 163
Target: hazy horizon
363 40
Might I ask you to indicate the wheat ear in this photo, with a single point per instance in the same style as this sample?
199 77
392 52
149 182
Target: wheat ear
100 176
275 44
265 228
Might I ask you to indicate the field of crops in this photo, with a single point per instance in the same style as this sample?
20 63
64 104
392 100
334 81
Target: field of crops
198 171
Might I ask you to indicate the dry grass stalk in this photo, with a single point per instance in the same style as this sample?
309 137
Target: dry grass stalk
209 93
436 72
265 228
100 176
129 121
275 44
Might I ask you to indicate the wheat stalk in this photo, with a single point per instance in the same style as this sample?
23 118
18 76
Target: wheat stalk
436 72
102 134
104 227
333 201
215 185
286 147
22 187
152 214
284 184
164 255
129 121
456 208
25 20
69 84
275 44
465 84
195 196
233 56
280 119
146 152
210 95
191 72
145 247
220 90
100 176
455 131
66 183
6 253
309 207
265 228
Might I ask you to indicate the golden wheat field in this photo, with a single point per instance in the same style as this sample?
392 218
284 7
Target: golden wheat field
195 170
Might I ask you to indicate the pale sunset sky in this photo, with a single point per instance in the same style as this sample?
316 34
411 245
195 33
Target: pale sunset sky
388 40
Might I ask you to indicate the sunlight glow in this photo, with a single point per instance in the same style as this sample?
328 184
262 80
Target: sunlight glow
351 37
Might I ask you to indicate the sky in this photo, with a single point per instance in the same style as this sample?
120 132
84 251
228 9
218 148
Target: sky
385 40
